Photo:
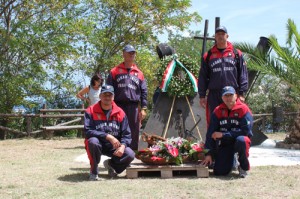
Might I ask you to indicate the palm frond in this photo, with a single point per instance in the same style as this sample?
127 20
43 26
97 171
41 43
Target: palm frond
282 62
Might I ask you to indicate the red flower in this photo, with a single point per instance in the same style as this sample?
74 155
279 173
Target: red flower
155 158
172 150
197 147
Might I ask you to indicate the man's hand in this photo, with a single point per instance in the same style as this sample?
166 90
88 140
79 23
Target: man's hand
242 98
203 102
207 160
217 135
143 113
119 151
114 141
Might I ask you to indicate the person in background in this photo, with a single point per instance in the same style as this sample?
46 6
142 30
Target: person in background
229 132
130 90
221 66
107 133
92 91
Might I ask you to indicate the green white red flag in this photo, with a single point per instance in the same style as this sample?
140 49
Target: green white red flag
169 73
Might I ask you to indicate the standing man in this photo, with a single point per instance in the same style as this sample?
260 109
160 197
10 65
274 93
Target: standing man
222 65
130 90
229 132
107 133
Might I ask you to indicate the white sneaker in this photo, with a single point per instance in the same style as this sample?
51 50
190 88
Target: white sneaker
93 177
242 173
235 165
111 172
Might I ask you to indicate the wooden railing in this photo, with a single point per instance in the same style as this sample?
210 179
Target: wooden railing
28 118
47 130
264 116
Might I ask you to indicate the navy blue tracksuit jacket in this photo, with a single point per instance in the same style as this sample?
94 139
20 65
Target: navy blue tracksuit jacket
236 125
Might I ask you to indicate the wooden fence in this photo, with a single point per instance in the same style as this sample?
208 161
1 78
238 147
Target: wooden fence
273 119
63 113
47 131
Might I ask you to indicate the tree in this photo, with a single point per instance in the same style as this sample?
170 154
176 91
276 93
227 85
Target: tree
282 62
113 24
44 45
35 44
279 68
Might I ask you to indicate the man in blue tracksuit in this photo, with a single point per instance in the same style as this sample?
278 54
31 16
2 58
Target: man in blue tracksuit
229 132
130 91
107 133
221 66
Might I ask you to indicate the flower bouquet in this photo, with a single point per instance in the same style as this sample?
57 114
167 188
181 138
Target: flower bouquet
172 151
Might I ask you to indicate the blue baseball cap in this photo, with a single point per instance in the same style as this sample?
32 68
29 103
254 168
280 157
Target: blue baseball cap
221 29
107 89
129 48
228 90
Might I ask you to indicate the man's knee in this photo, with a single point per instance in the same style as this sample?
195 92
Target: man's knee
94 144
93 141
130 154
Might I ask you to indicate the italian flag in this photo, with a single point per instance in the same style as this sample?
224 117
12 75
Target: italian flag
169 73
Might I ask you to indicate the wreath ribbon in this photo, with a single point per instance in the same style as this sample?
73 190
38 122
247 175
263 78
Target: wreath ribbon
167 76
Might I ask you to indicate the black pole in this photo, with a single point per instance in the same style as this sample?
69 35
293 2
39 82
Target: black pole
217 22
204 38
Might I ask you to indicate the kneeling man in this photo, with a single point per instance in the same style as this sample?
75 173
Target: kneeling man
229 132
107 133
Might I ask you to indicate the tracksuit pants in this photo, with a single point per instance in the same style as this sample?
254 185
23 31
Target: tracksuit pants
131 111
214 99
95 149
225 155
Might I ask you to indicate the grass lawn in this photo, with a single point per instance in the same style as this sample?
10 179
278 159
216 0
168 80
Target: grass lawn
34 168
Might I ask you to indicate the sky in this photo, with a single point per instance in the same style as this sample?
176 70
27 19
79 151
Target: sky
248 20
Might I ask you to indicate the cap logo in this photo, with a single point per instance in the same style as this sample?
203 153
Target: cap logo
107 88
228 90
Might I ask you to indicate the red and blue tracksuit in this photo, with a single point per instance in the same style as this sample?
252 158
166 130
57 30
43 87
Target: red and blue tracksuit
236 126
97 126
221 70
130 89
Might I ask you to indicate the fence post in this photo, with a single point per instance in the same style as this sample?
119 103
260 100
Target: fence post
44 122
81 132
28 125
264 123
277 118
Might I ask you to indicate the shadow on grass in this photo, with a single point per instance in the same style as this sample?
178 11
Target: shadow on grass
231 176
76 177
77 147
83 175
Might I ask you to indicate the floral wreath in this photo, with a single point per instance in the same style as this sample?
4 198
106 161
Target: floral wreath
177 77
172 151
